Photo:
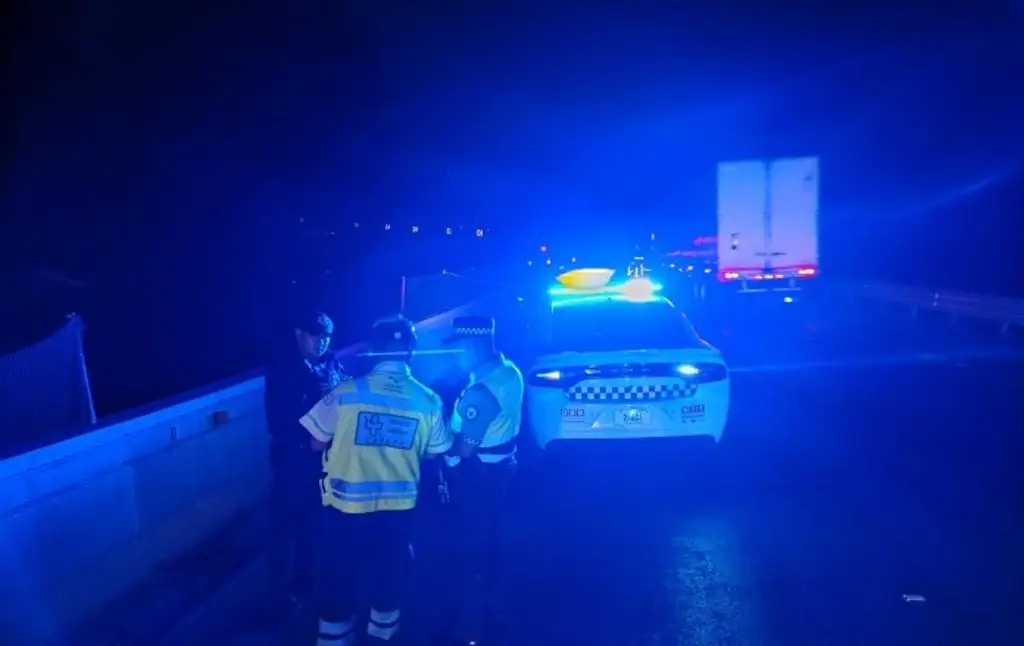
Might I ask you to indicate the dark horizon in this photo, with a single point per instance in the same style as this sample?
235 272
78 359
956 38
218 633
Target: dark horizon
174 162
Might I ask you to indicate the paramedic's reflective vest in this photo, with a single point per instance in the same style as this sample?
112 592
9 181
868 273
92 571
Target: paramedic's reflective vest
379 426
505 382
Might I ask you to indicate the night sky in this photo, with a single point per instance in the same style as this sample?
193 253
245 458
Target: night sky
175 159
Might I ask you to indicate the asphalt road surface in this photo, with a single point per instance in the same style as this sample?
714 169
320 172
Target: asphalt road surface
863 495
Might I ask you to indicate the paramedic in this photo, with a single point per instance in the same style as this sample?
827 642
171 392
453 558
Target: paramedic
375 430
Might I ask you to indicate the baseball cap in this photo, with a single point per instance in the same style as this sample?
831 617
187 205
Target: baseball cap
316 323
393 332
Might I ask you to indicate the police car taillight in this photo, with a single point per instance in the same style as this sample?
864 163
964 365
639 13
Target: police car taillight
551 375
703 373
696 373
688 370
551 378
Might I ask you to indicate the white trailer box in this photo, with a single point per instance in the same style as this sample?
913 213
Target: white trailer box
768 221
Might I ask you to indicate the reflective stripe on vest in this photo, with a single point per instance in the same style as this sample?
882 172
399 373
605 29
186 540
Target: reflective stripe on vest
381 489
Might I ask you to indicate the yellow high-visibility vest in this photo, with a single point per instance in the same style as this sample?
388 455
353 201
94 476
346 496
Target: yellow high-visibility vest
379 426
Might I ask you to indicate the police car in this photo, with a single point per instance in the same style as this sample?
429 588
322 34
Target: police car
622 363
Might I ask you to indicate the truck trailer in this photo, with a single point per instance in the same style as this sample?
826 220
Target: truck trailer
768 223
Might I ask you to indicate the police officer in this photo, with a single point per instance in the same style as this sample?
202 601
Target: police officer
300 372
480 468
375 429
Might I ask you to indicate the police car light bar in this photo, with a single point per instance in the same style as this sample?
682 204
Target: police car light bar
640 289
636 288
586 279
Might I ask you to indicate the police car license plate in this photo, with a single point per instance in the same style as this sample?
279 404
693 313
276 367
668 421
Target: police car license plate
633 417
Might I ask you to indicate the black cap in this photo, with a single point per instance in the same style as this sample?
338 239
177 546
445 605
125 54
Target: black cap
393 333
315 323
466 328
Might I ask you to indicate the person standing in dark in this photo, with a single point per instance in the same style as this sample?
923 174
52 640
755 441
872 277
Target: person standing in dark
480 469
300 373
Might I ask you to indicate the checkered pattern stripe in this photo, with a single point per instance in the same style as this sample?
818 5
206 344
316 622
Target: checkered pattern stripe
631 393
473 331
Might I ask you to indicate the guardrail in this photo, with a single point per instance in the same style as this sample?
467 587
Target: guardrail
1007 312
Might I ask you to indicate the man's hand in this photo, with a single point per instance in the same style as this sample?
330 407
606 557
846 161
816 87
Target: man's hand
465 448
442 489
317 445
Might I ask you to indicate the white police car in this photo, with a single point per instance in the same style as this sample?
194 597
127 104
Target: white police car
623 363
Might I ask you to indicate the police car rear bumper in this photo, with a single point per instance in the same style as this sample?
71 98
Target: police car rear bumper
545 436
703 421
657 412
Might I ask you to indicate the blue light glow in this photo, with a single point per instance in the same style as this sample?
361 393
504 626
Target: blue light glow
603 299
687 370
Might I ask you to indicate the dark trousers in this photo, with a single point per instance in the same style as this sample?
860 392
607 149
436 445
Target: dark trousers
479 500
363 558
294 501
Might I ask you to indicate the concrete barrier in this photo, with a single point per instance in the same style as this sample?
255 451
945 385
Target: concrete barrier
85 520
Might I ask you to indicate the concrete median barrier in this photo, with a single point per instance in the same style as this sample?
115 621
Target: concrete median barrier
87 520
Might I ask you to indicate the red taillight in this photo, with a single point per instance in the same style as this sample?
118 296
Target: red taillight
708 373
807 271
552 378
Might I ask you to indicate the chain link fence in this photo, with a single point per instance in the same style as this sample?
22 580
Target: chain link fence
44 389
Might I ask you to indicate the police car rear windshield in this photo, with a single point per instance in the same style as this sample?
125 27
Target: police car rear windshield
614 326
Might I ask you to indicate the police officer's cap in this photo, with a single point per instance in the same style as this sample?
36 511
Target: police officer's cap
468 328
393 333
